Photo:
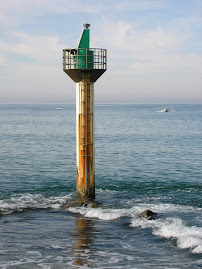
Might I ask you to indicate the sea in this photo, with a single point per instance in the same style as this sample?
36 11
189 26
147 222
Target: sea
144 159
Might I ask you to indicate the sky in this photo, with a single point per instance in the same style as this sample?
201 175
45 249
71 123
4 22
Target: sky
154 50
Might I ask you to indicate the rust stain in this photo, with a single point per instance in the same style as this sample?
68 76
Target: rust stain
81 164
90 139
85 141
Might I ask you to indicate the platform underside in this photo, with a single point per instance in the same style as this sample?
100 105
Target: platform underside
76 74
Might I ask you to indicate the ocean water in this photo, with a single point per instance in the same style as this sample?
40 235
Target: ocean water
145 159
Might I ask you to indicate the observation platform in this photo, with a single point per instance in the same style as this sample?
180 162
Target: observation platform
79 60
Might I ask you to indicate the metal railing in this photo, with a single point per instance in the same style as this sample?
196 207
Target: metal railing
83 58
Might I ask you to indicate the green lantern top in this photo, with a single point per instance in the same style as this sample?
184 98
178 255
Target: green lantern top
84 59
85 39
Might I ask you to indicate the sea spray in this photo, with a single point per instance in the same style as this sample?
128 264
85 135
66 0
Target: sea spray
19 202
167 227
186 237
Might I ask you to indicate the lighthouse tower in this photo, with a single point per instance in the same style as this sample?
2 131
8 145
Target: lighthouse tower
84 65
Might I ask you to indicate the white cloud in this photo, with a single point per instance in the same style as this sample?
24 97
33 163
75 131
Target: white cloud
149 48
17 12
149 65
124 36
32 82
2 60
161 38
137 5
111 33
3 48
46 49
143 64
60 6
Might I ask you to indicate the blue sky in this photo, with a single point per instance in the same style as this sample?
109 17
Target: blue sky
154 49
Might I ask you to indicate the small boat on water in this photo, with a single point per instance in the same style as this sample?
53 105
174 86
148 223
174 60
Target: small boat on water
165 109
59 108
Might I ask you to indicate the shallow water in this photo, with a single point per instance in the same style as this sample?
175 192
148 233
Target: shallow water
144 159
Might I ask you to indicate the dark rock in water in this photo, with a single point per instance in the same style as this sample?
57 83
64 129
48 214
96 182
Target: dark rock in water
84 204
80 202
148 214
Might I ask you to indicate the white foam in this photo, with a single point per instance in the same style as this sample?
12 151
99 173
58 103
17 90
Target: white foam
99 213
107 190
34 253
163 110
165 208
56 247
187 237
197 250
134 212
30 201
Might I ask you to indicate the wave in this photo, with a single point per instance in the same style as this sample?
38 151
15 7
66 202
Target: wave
112 214
169 227
187 237
99 213
160 111
30 201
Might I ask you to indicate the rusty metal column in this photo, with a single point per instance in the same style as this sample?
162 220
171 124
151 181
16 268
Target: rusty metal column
85 65
85 136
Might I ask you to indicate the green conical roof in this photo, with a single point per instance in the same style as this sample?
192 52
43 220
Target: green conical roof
85 58
85 39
